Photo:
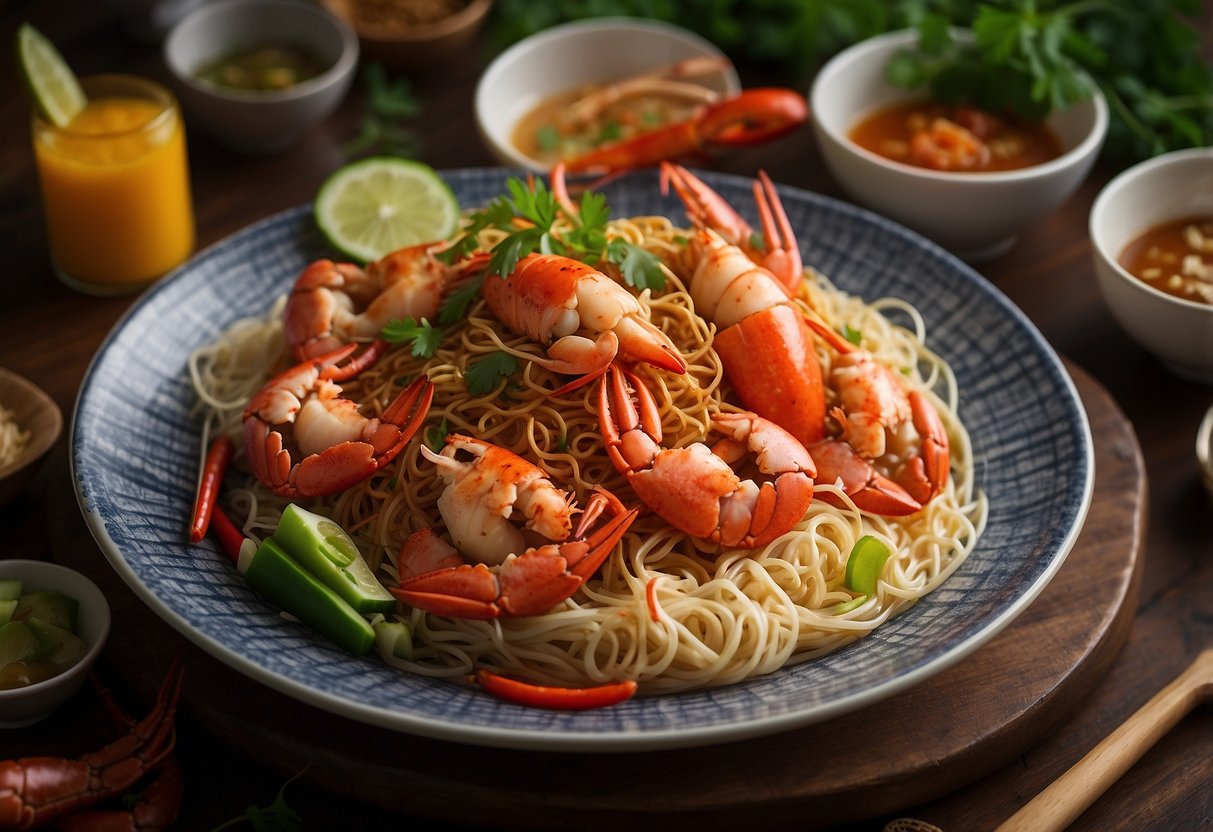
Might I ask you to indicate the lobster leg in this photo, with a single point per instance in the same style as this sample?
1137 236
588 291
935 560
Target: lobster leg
37 790
779 253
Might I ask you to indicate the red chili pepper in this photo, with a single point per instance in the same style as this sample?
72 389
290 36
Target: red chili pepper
561 699
650 594
230 537
217 459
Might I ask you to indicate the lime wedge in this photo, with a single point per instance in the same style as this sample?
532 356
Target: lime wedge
52 84
375 206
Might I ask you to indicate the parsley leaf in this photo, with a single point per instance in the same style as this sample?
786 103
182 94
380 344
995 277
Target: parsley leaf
425 337
276 817
483 376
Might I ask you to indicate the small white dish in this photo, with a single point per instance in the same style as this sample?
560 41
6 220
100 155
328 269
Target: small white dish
25 706
575 54
260 121
977 216
1170 187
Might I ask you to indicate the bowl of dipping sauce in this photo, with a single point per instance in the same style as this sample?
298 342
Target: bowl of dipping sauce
53 624
526 100
30 424
971 181
1152 242
257 74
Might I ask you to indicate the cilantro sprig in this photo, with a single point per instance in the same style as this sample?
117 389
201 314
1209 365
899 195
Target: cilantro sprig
425 338
528 212
483 376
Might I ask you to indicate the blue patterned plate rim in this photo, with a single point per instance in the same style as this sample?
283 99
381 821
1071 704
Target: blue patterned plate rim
134 456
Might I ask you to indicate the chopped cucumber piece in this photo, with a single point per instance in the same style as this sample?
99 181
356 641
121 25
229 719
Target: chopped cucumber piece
331 555
51 606
10 589
55 644
395 639
6 610
865 565
17 643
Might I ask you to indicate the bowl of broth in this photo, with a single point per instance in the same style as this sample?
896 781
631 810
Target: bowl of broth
971 181
257 74
1152 243
562 92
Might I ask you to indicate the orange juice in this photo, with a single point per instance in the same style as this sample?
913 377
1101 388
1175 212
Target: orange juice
115 187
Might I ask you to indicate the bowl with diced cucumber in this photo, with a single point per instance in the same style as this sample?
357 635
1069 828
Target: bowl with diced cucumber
53 624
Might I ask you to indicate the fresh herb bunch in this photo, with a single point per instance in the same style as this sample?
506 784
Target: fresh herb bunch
1029 58
1145 55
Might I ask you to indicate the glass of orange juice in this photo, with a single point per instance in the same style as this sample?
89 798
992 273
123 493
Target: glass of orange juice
116 187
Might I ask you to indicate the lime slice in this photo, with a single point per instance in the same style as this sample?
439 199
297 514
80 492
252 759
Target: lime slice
375 206
52 84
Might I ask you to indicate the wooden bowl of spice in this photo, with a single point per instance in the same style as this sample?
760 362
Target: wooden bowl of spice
414 36
30 423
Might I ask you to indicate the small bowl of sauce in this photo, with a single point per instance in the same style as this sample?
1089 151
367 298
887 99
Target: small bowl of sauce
265 67
1175 257
1152 244
257 74
939 137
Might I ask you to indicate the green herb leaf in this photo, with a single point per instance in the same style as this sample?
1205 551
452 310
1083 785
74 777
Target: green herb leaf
851 334
455 305
483 376
425 337
640 267
435 435
276 817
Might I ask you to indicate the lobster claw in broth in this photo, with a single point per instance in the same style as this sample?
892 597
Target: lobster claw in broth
337 446
753 116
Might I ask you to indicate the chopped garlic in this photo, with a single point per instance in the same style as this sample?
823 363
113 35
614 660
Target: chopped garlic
12 438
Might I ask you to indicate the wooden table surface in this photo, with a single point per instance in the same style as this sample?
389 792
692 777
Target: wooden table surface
49 333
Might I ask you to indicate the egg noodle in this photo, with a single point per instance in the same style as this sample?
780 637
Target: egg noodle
721 616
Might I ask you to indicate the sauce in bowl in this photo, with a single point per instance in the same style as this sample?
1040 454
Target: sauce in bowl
958 139
556 130
1175 258
264 67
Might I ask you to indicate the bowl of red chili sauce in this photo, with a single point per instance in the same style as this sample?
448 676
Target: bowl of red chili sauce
971 180
1152 242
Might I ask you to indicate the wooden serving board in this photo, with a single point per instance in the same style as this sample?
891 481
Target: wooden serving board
925 742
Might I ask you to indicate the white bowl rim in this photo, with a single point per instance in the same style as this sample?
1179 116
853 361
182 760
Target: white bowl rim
346 61
1110 191
1089 144
97 600
620 23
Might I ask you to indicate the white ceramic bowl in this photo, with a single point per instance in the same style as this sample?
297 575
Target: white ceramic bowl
573 54
975 215
257 121
25 706
1168 187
